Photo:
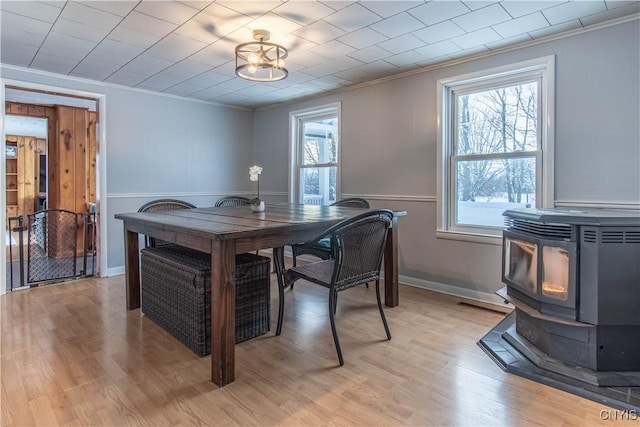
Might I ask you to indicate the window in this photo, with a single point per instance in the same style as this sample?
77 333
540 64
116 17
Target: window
495 143
315 136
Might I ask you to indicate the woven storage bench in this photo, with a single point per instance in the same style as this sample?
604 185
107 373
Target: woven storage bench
176 294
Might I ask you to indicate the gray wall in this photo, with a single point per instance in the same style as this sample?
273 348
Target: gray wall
389 148
159 146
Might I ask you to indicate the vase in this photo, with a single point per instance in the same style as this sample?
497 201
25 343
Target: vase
258 207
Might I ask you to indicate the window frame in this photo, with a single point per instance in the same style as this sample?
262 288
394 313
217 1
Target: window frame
296 140
540 69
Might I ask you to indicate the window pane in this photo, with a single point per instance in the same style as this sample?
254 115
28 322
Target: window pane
486 188
320 143
318 185
499 120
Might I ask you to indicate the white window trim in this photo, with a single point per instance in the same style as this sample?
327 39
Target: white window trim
294 116
545 66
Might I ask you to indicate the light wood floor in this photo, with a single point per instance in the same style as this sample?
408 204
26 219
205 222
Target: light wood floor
72 354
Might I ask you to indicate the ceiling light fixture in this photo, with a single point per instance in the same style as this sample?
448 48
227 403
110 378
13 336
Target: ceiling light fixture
261 61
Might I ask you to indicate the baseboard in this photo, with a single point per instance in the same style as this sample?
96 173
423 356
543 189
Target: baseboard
468 296
115 271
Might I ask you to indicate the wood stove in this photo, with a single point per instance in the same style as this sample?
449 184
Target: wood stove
574 278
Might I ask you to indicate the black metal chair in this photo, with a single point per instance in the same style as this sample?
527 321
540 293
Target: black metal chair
357 247
233 201
162 205
321 249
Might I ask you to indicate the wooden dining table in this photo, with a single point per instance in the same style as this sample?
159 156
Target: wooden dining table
224 232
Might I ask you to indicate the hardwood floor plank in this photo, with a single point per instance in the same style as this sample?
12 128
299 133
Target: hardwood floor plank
71 354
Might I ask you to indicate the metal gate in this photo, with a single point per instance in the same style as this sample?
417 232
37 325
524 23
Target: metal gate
59 245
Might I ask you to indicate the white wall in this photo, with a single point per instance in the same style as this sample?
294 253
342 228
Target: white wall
389 148
159 146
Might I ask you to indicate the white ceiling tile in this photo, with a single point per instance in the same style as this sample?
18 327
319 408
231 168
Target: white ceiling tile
438 32
170 11
522 25
84 14
405 58
479 4
401 44
15 53
437 49
19 23
126 78
93 69
212 56
120 7
66 46
186 69
377 68
187 47
115 52
175 47
53 63
275 24
159 82
397 25
32 9
133 37
525 7
320 32
476 38
554 29
386 9
619 11
196 4
332 49
363 38
520 38
370 54
482 18
220 20
148 24
252 9
468 52
146 65
573 10
322 69
613 4
352 18
303 12
8 36
345 62
438 11
197 31
295 44
78 30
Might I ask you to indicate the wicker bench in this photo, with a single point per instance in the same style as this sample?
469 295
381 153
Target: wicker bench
176 294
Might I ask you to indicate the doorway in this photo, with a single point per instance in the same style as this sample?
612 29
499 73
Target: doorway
51 189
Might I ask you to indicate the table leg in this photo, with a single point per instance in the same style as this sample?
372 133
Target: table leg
391 298
278 261
132 268
223 307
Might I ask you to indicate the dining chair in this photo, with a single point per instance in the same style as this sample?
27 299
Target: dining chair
321 248
357 246
233 201
162 205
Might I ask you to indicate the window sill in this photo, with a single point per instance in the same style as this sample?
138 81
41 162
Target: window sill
487 239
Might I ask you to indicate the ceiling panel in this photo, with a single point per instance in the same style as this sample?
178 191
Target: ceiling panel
186 48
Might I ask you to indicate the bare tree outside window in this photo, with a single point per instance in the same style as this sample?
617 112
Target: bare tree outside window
495 152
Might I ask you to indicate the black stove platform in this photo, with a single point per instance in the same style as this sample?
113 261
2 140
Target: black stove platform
516 355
